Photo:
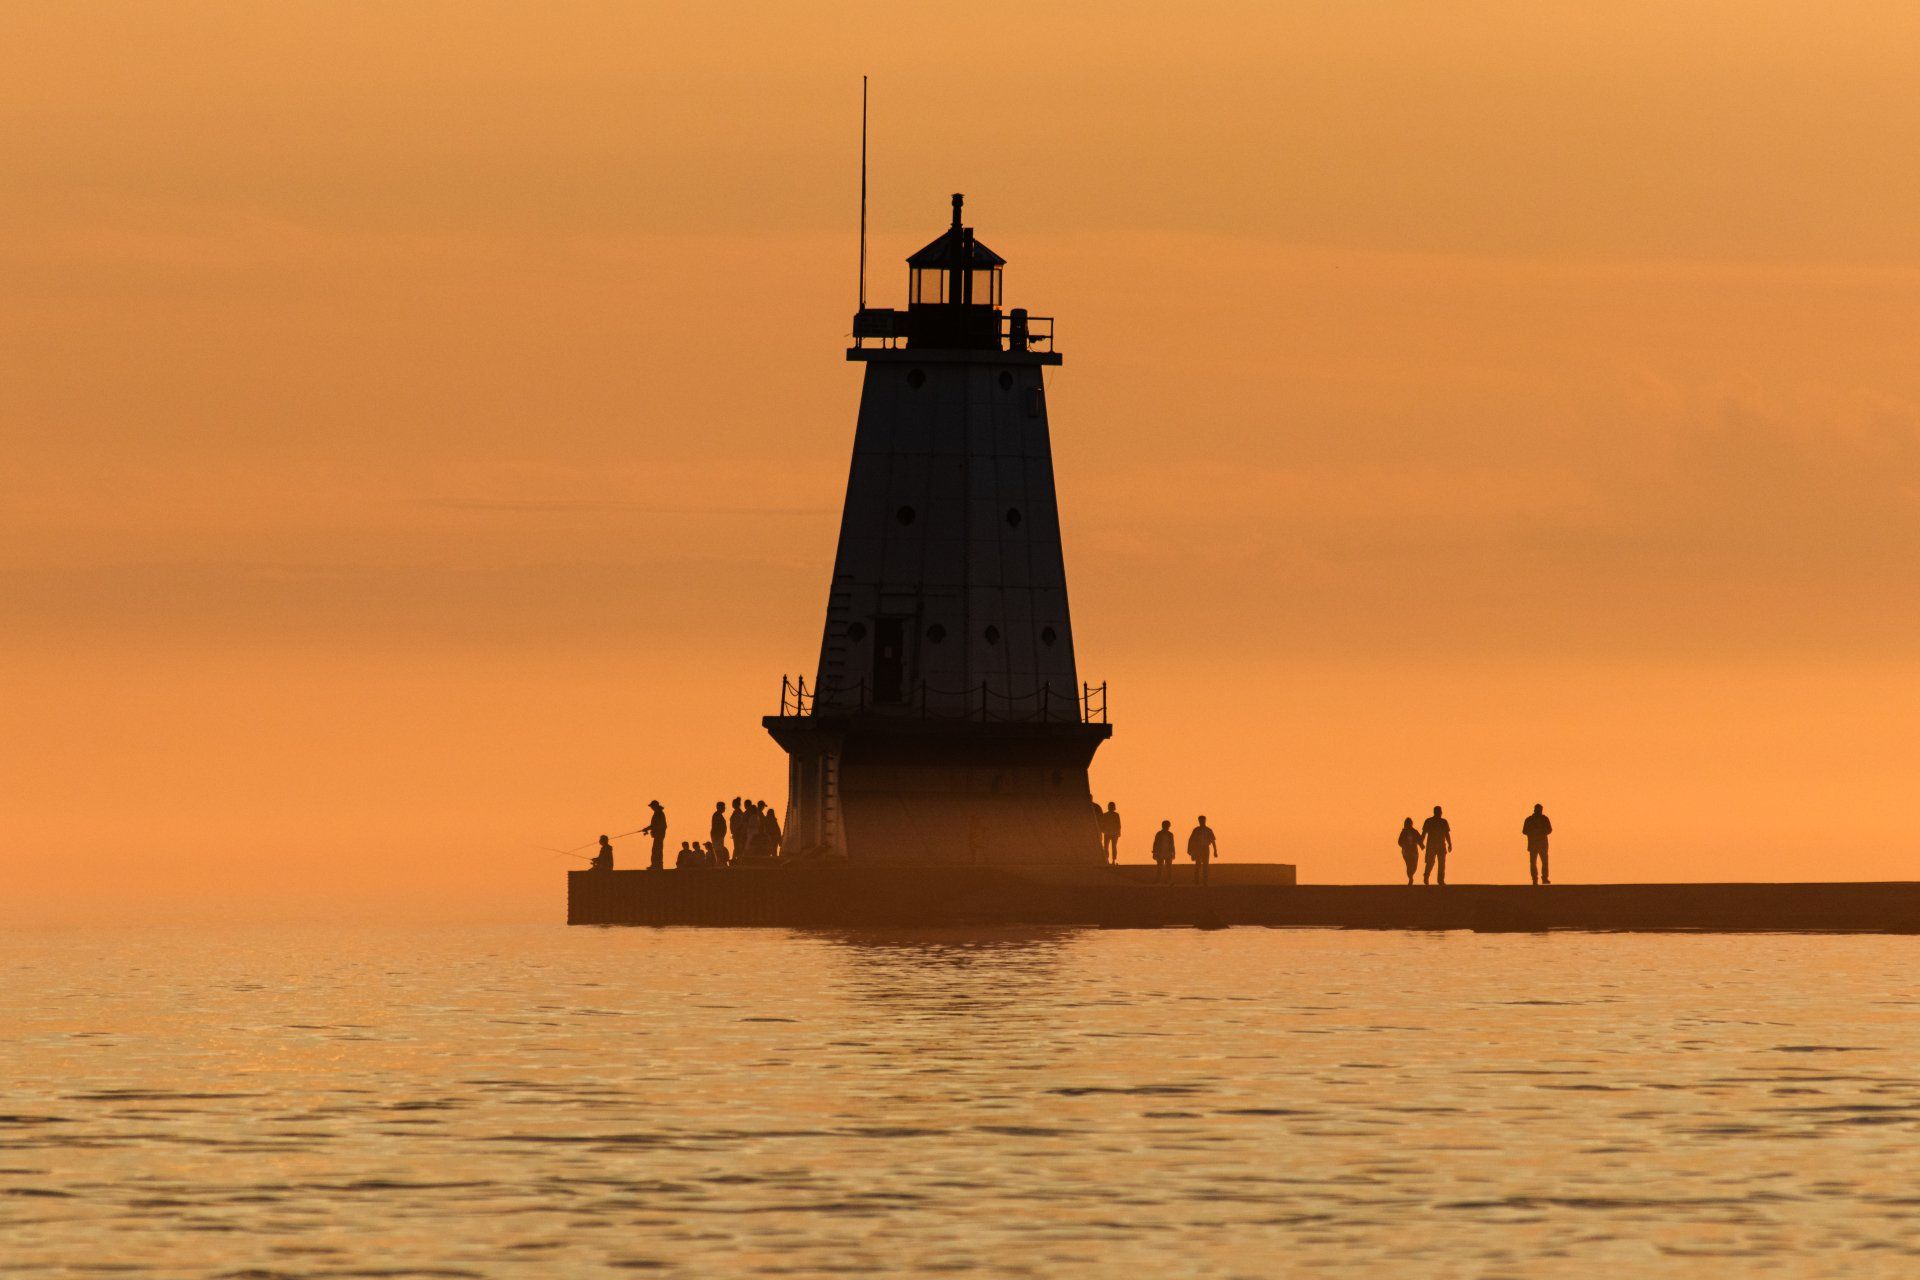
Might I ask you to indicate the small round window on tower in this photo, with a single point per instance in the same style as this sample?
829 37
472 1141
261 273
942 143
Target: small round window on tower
1013 517
1048 635
905 515
936 633
916 378
1006 381
993 635
856 631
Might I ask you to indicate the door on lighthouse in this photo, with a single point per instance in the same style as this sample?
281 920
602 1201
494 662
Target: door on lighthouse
889 659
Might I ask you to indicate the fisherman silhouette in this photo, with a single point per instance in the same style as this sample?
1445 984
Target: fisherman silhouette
1110 832
718 827
603 860
1163 852
1203 849
1437 834
657 828
1410 848
1536 829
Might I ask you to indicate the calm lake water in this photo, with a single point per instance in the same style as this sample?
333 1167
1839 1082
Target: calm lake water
542 1102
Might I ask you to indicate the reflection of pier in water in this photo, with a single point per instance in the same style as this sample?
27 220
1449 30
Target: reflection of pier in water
949 971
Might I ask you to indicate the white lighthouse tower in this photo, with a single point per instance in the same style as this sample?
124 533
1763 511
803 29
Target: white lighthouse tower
946 722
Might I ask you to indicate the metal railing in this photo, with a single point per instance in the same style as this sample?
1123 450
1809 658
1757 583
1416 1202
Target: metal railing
1018 330
982 702
1023 332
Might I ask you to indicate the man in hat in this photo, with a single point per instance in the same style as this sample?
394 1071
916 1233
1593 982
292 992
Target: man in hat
717 830
657 828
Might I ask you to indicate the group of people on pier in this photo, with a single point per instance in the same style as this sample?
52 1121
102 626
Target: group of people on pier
749 833
753 828
1435 836
1202 845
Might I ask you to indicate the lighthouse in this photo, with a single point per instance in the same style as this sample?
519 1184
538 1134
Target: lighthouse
946 721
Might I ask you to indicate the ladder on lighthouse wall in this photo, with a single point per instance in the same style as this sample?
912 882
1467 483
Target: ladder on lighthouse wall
833 651
830 833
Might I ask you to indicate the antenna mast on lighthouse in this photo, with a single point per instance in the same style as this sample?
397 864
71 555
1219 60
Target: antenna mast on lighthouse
863 193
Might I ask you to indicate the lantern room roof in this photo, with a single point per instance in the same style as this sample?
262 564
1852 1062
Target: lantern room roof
956 247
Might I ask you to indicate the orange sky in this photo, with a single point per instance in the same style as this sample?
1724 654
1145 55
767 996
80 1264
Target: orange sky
426 423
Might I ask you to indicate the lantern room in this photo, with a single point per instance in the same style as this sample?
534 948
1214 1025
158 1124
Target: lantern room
955 271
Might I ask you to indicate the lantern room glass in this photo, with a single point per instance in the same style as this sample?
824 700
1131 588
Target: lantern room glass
986 288
929 284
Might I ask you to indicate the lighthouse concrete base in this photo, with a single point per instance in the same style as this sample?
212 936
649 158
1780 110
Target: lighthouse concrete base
902 790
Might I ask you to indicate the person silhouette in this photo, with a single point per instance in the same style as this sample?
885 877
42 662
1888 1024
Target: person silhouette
603 860
1536 829
1203 849
1163 852
657 828
717 827
747 833
1437 834
1110 831
1409 848
684 860
737 823
770 833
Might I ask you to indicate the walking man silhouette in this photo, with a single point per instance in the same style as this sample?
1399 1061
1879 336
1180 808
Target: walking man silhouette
1163 853
1536 829
657 828
1110 832
1437 834
1203 849
1410 848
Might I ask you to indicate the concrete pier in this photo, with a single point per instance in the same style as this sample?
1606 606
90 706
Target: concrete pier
841 896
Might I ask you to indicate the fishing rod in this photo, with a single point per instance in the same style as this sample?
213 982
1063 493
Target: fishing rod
562 853
622 836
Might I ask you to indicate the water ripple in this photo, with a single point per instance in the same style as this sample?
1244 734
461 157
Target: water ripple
510 1103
